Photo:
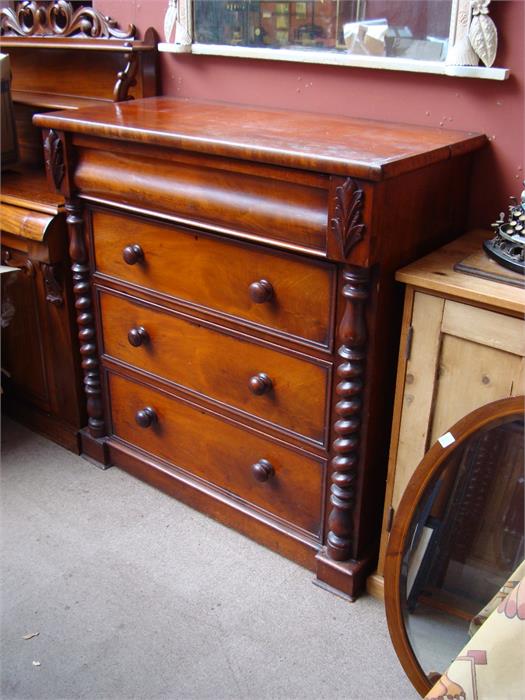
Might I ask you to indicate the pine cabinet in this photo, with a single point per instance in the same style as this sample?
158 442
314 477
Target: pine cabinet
462 346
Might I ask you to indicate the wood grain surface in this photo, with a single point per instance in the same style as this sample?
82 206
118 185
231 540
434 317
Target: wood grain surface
247 202
220 453
217 274
215 364
436 273
28 188
275 235
336 145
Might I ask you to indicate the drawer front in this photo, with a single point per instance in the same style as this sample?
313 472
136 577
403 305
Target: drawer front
220 453
25 223
285 390
280 292
290 206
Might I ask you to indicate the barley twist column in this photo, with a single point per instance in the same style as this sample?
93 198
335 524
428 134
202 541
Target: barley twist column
348 409
85 318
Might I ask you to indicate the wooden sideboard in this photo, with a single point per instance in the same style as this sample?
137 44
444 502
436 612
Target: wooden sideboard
62 57
234 277
462 347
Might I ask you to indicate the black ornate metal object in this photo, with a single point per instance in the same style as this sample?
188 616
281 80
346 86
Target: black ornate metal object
508 246
59 18
346 224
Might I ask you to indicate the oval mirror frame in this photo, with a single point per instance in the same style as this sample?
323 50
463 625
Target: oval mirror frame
435 460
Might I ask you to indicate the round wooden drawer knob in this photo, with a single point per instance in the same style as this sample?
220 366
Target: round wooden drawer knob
138 336
146 417
133 254
261 291
262 470
260 384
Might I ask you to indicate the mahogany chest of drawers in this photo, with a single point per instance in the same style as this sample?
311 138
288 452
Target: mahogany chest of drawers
236 305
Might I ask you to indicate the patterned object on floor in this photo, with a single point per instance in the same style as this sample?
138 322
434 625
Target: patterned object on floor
491 664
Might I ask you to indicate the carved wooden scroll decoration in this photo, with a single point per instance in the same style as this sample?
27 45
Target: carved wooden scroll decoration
53 284
59 18
85 319
126 78
54 157
346 223
348 410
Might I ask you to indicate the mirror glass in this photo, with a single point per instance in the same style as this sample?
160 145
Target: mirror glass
464 542
415 29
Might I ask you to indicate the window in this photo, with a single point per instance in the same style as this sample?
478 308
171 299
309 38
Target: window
408 29
417 35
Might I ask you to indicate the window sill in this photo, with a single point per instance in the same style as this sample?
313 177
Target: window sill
340 59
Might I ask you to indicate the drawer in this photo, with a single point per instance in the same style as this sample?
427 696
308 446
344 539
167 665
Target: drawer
260 201
287 294
267 475
275 386
27 223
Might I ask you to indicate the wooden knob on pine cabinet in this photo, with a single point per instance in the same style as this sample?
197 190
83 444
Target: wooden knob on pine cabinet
146 417
261 291
260 384
262 470
133 254
138 336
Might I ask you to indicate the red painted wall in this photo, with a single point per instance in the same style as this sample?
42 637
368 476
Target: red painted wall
492 107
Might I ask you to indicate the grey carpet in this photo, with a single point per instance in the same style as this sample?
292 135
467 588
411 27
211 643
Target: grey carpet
134 595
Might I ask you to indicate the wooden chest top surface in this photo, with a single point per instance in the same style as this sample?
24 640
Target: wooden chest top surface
372 150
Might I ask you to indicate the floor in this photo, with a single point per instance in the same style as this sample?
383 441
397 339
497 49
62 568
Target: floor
133 595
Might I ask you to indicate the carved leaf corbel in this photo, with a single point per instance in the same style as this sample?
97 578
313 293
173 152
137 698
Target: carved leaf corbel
53 284
346 223
54 157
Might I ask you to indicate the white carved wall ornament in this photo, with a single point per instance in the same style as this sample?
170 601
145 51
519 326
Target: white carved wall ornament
170 19
482 33
177 25
475 36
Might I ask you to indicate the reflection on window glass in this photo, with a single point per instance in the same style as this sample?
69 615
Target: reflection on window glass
416 29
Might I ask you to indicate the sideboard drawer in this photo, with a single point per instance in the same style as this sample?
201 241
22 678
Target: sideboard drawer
220 453
286 390
284 293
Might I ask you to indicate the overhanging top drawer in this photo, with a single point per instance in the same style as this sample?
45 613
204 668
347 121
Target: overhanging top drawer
259 202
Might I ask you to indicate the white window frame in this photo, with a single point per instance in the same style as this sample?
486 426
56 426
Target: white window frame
460 19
